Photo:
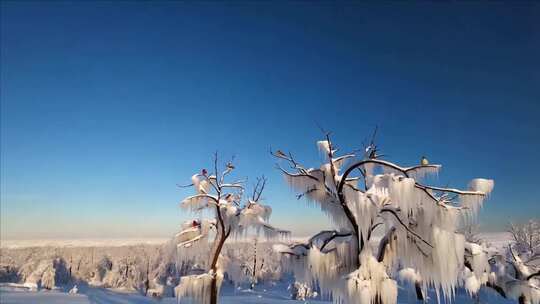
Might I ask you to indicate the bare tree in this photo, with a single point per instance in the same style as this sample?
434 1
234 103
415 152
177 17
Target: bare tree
222 200
363 194
527 239
254 264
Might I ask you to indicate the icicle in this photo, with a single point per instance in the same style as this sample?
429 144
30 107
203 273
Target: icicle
301 183
422 172
474 202
195 180
482 185
368 282
388 292
409 275
324 147
195 202
472 284
198 287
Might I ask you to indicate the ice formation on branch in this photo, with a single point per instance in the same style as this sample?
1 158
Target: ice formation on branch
206 237
366 195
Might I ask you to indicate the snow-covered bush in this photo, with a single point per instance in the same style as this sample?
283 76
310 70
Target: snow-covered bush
206 237
367 195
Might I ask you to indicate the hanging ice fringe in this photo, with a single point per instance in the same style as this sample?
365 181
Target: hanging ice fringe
418 222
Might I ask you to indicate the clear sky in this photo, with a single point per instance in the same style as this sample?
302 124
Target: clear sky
105 106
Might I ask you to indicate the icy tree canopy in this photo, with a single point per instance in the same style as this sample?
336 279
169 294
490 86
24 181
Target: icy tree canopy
364 195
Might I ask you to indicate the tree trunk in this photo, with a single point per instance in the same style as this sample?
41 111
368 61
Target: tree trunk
254 274
213 291
222 237
70 265
147 281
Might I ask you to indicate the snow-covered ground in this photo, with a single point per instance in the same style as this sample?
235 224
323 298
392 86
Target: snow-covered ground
276 295
16 293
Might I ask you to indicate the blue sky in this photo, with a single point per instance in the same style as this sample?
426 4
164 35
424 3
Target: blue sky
105 107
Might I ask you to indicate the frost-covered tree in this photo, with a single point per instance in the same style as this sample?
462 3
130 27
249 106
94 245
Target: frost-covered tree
165 274
364 196
47 272
515 273
102 268
252 263
252 267
527 240
222 201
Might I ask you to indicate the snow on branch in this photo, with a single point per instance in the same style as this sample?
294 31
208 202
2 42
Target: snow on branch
223 200
199 201
418 221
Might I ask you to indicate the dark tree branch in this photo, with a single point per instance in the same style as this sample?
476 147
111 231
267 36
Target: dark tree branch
385 242
258 189
497 288
393 212
536 274
404 172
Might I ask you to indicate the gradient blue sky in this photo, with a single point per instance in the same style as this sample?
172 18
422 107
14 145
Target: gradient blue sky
105 107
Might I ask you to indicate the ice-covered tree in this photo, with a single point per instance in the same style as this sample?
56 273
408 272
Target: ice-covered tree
515 273
221 200
102 268
253 263
166 272
364 195
527 240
